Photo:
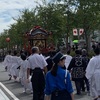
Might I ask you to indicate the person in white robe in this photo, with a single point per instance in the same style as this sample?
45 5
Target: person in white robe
16 62
93 75
23 73
8 62
68 59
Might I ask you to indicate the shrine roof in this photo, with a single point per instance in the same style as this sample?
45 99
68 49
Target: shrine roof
38 30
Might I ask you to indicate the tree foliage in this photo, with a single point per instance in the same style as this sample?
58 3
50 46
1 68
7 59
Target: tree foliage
58 17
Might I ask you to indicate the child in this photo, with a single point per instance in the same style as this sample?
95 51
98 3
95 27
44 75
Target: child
23 74
7 63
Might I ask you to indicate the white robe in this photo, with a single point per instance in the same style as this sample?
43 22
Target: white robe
23 75
16 62
93 75
8 62
68 60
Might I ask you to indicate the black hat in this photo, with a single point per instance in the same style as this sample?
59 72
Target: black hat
97 50
23 56
59 56
77 51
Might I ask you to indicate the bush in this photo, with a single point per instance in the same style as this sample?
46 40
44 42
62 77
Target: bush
72 53
91 54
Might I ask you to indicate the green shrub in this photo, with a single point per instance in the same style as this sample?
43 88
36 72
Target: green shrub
91 54
72 53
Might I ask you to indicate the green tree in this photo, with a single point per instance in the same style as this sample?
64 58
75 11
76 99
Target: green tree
51 18
86 15
23 25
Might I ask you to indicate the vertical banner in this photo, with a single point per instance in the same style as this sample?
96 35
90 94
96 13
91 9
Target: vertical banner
81 31
75 32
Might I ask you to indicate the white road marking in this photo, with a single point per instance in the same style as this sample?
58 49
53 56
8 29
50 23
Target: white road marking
9 92
3 96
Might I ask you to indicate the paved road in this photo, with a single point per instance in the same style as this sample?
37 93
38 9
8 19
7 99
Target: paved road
17 90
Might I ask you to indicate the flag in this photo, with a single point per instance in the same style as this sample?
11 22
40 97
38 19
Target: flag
75 32
81 31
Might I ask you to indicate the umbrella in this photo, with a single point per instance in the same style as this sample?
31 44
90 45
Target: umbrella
75 41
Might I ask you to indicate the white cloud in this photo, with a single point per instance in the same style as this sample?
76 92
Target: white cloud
10 8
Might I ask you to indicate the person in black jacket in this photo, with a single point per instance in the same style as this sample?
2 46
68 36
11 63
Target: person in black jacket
77 69
86 59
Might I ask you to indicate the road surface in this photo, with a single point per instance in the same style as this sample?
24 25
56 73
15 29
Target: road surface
10 90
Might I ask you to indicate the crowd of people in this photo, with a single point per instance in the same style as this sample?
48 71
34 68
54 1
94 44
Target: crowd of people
50 78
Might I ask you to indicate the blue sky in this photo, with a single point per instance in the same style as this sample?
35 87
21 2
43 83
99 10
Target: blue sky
10 8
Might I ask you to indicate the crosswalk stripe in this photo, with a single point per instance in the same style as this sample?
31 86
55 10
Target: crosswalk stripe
9 92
